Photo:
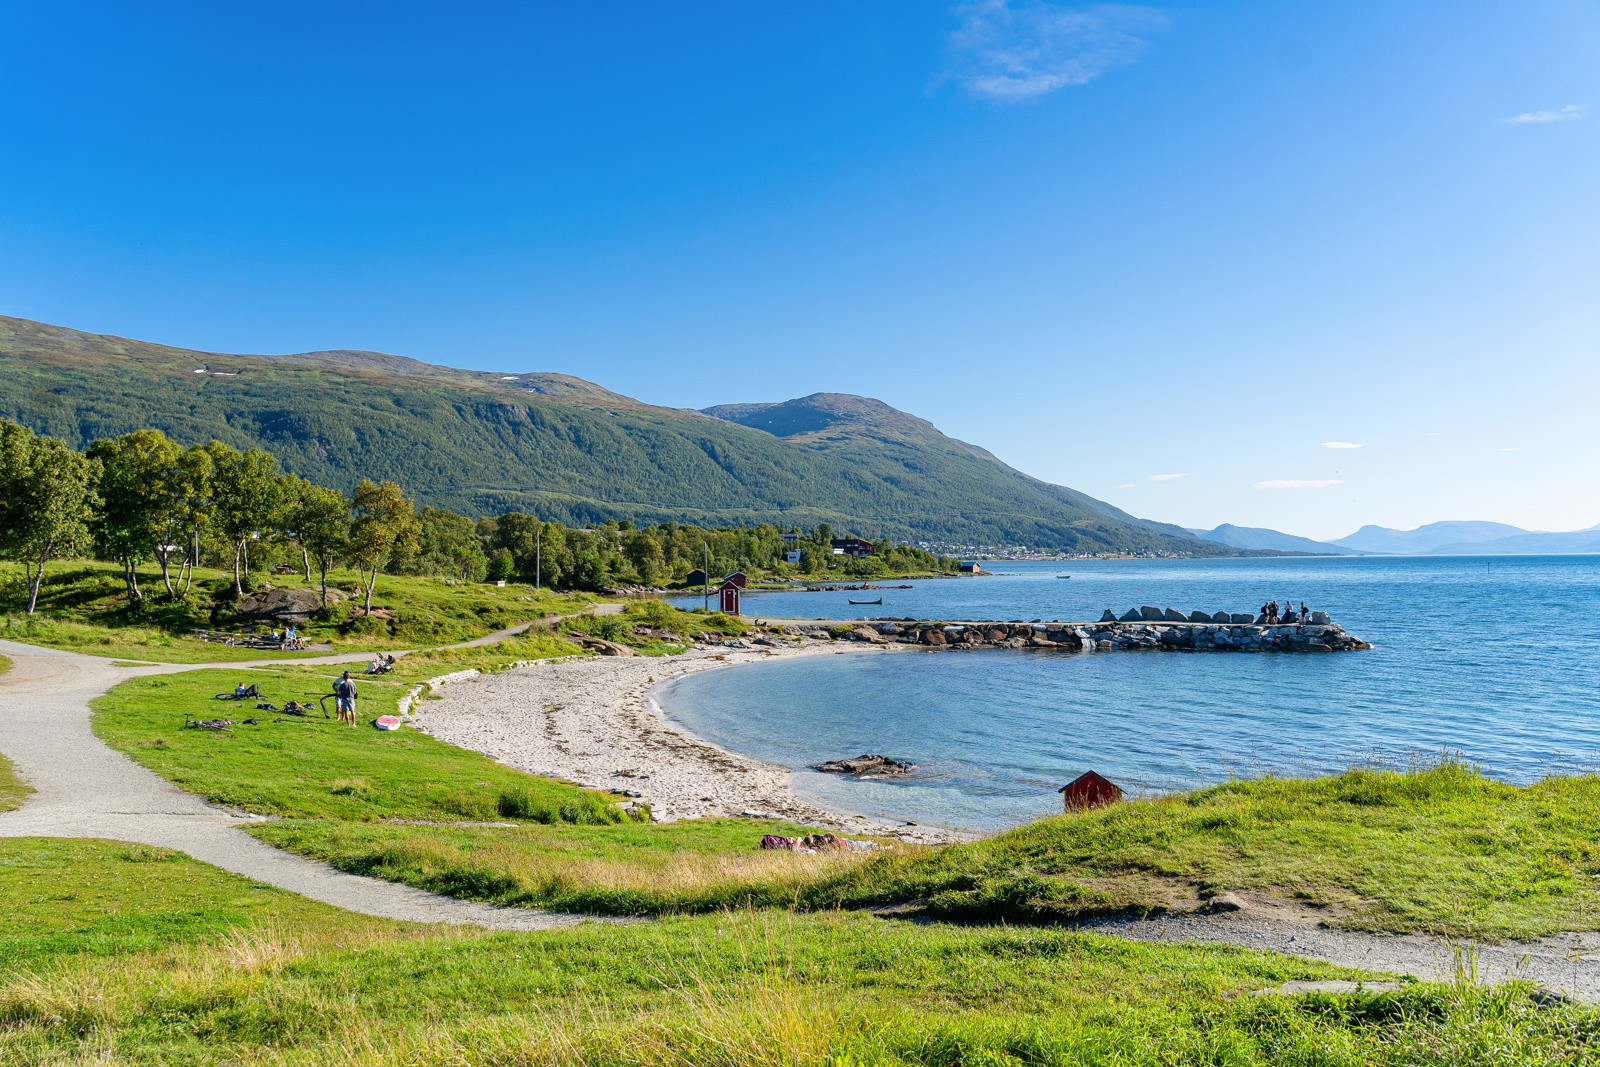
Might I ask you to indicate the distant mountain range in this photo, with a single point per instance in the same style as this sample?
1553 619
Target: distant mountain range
1470 539
1259 539
561 447
1435 539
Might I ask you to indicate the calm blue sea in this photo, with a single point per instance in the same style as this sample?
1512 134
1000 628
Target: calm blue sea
1495 659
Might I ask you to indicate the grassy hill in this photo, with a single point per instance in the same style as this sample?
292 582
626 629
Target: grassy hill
558 446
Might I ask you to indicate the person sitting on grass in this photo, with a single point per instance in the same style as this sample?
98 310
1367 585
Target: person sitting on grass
344 698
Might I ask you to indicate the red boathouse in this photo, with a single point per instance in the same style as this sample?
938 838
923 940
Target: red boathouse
1089 790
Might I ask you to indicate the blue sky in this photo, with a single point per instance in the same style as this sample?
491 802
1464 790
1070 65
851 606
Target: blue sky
1162 253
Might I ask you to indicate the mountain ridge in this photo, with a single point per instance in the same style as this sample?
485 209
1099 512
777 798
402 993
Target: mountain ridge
569 449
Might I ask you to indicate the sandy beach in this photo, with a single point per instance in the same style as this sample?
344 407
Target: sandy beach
593 721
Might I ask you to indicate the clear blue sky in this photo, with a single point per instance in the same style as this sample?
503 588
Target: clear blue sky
1108 242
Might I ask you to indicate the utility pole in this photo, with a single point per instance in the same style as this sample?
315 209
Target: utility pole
705 603
538 557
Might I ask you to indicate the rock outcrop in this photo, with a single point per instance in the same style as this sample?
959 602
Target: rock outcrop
286 605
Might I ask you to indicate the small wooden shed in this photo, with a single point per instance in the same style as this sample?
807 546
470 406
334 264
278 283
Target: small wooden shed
1089 790
728 597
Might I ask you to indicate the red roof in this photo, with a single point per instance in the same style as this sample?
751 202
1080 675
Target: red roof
1091 788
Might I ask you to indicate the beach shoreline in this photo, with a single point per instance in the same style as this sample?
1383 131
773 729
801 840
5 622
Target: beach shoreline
595 721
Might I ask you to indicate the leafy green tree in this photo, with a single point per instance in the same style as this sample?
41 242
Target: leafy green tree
644 553
448 544
385 526
136 498
501 565
320 520
248 501
48 497
185 510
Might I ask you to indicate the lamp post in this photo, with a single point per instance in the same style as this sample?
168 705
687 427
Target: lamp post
538 557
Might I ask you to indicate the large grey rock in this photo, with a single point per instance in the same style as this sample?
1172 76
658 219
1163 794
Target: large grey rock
1222 616
1132 615
286 605
1173 616
1241 620
1320 618
1150 614
1199 616
1109 616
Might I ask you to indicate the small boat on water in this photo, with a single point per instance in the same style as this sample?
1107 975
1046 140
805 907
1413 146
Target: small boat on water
1063 576
864 602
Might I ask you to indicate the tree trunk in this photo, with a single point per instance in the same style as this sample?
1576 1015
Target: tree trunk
238 581
322 566
305 559
130 575
34 580
373 580
166 575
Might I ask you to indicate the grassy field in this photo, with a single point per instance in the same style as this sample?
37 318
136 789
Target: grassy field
5 664
83 608
1440 849
315 767
12 791
213 969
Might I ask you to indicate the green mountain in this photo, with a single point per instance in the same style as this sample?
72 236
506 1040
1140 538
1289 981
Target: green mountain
559 446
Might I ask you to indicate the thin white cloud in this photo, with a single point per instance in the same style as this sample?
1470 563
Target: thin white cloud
1166 477
1299 483
1339 444
1015 51
1569 113
1511 450
1126 485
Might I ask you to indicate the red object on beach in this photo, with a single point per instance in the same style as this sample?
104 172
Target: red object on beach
387 722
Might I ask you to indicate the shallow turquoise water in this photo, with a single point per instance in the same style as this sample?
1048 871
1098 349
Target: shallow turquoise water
1496 659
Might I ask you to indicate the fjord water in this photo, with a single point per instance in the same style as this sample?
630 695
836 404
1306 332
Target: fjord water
1496 659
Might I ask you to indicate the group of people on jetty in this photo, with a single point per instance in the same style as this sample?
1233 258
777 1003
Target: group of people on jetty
1273 614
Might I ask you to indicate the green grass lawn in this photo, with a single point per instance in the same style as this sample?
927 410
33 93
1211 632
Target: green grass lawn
210 968
12 791
5 664
318 768
83 608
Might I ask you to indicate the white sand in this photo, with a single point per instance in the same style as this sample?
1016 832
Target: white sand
593 721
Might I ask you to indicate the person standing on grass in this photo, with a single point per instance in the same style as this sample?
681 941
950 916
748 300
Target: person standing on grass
344 698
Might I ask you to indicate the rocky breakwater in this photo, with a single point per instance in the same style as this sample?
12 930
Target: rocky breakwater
1172 632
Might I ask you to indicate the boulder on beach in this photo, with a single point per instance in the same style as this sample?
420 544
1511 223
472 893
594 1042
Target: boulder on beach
1109 616
1171 615
1150 614
1199 616
1132 615
1320 618
1241 619
1222 616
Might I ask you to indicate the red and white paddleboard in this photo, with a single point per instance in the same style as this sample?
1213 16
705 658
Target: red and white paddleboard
387 722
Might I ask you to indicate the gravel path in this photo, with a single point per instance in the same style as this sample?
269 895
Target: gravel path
1566 963
83 788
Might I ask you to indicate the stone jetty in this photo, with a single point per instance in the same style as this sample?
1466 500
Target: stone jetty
1170 632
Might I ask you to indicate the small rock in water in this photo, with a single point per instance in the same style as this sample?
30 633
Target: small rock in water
866 766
